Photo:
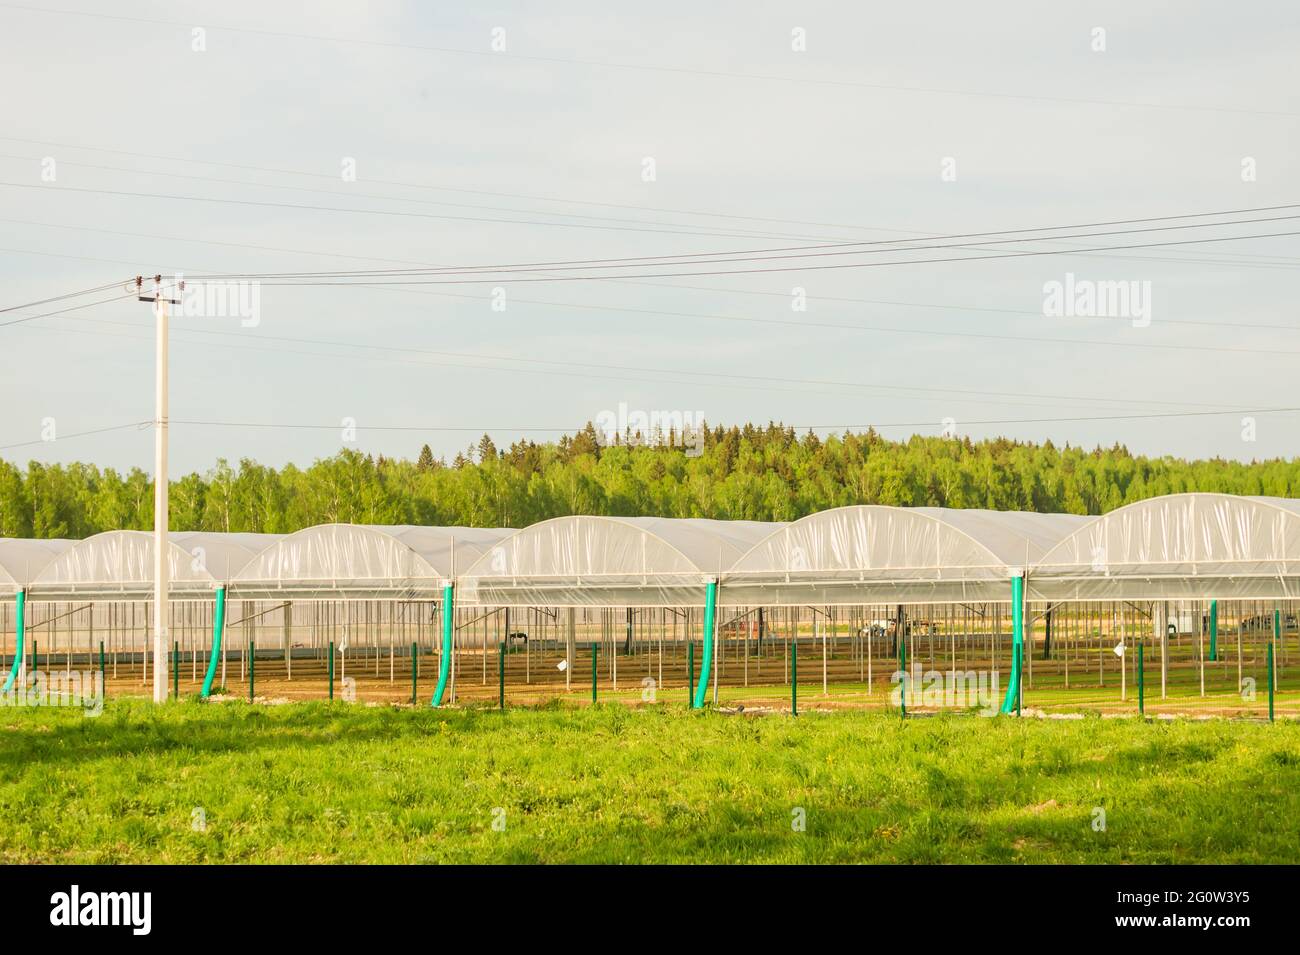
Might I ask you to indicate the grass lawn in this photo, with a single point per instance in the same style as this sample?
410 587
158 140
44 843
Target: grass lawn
313 782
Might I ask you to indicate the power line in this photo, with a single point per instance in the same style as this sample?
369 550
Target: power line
60 298
799 324
753 255
74 308
830 244
648 260
665 285
797 268
80 434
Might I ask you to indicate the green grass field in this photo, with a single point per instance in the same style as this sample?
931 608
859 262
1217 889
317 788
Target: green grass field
343 783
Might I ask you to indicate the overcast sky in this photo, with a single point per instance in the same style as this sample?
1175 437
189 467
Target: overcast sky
894 121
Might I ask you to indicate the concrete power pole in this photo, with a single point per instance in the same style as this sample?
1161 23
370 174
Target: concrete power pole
160 548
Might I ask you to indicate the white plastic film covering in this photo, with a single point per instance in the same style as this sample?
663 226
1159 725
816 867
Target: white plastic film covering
1186 546
893 543
386 556
21 560
123 561
1182 545
222 555
449 550
608 561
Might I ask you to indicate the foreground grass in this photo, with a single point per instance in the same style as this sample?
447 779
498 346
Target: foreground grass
321 783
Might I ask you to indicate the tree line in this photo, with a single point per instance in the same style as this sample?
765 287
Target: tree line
767 473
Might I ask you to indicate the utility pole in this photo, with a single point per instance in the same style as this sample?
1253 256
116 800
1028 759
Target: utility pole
160 548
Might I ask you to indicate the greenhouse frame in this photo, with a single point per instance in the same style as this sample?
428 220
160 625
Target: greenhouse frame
1205 585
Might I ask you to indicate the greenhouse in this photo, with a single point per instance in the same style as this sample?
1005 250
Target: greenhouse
845 604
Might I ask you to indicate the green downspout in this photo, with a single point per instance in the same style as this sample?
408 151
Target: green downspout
706 658
218 628
444 660
1011 701
1214 630
20 603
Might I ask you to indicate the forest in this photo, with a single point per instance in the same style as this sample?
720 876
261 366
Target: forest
752 472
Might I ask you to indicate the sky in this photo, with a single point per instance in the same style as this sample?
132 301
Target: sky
252 139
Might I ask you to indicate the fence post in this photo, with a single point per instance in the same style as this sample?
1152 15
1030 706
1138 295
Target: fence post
794 676
176 669
1142 703
690 672
501 672
1270 683
103 681
1214 631
595 651
1020 684
330 666
252 657
902 667
415 671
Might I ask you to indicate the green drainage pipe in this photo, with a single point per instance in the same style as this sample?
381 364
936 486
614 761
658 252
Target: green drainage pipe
706 657
218 628
1012 700
444 661
1214 630
20 603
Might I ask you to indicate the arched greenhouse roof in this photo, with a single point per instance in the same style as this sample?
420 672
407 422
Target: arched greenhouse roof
122 561
1197 545
1184 546
356 556
609 561
21 560
871 553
